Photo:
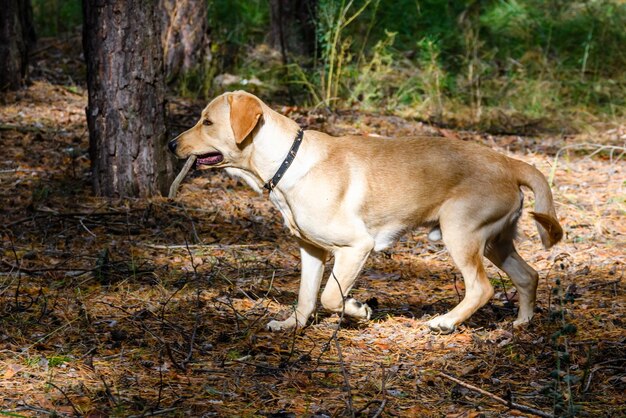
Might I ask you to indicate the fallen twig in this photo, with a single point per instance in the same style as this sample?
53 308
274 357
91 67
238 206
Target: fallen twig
510 404
22 220
168 350
216 246
278 369
370 403
598 367
598 148
26 407
380 409
76 411
84 214
43 270
596 285
154 413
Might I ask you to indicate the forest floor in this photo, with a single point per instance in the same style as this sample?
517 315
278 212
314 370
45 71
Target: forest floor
157 307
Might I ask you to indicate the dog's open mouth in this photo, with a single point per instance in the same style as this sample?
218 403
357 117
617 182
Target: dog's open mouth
211 158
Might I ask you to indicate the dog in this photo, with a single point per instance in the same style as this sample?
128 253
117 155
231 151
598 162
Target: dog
351 195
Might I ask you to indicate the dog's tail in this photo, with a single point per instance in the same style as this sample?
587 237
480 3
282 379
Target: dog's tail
548 226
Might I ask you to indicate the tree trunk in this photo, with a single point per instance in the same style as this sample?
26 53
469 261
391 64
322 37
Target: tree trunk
292 27
17 36
126 110
185 36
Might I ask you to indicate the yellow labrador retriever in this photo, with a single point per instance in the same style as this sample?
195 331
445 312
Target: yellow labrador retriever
353 195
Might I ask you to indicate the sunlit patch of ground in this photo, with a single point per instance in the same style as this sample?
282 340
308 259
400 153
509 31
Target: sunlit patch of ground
158 307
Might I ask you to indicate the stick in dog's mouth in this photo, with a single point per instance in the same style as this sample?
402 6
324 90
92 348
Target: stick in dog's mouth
179 178
211 158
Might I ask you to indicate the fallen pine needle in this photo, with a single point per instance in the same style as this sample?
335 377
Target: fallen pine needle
179 178
510 404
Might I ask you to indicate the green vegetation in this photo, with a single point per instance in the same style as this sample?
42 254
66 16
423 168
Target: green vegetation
56 17
237 24
58 360
499 65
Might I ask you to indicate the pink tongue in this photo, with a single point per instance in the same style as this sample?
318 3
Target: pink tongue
210 159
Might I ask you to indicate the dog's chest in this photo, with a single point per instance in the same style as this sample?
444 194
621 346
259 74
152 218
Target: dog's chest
282 206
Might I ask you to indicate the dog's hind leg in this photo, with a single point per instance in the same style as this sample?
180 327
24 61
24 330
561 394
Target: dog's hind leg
503 254
312 271
466 248
348 264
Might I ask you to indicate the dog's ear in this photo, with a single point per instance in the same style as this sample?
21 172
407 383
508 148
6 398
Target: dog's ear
245 112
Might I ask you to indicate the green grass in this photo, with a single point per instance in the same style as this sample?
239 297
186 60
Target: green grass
58 360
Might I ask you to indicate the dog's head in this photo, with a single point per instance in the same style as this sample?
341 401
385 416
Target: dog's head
220 137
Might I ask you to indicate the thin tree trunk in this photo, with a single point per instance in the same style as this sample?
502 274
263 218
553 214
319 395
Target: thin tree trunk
17 37
126 111
292 27
185 36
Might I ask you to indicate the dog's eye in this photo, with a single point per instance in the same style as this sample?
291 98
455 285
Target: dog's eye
207 122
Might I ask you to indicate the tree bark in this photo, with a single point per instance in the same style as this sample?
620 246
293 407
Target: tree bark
17 37
292 27
126 110
185 36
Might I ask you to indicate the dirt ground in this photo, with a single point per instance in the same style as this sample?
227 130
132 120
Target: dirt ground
157 307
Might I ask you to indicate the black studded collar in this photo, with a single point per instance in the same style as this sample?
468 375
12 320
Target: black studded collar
271 184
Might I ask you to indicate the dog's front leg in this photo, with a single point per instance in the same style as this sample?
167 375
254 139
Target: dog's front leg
348 264
313 259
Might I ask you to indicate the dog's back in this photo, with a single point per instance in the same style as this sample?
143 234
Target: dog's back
407 180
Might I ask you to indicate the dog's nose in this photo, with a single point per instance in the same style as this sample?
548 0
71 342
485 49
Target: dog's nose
172 146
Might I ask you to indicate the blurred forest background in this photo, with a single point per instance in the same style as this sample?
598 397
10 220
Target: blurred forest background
499 65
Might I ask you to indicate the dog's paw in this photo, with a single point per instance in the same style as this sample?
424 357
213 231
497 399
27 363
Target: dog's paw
435 234
441 325
521 322
358 309
288 323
